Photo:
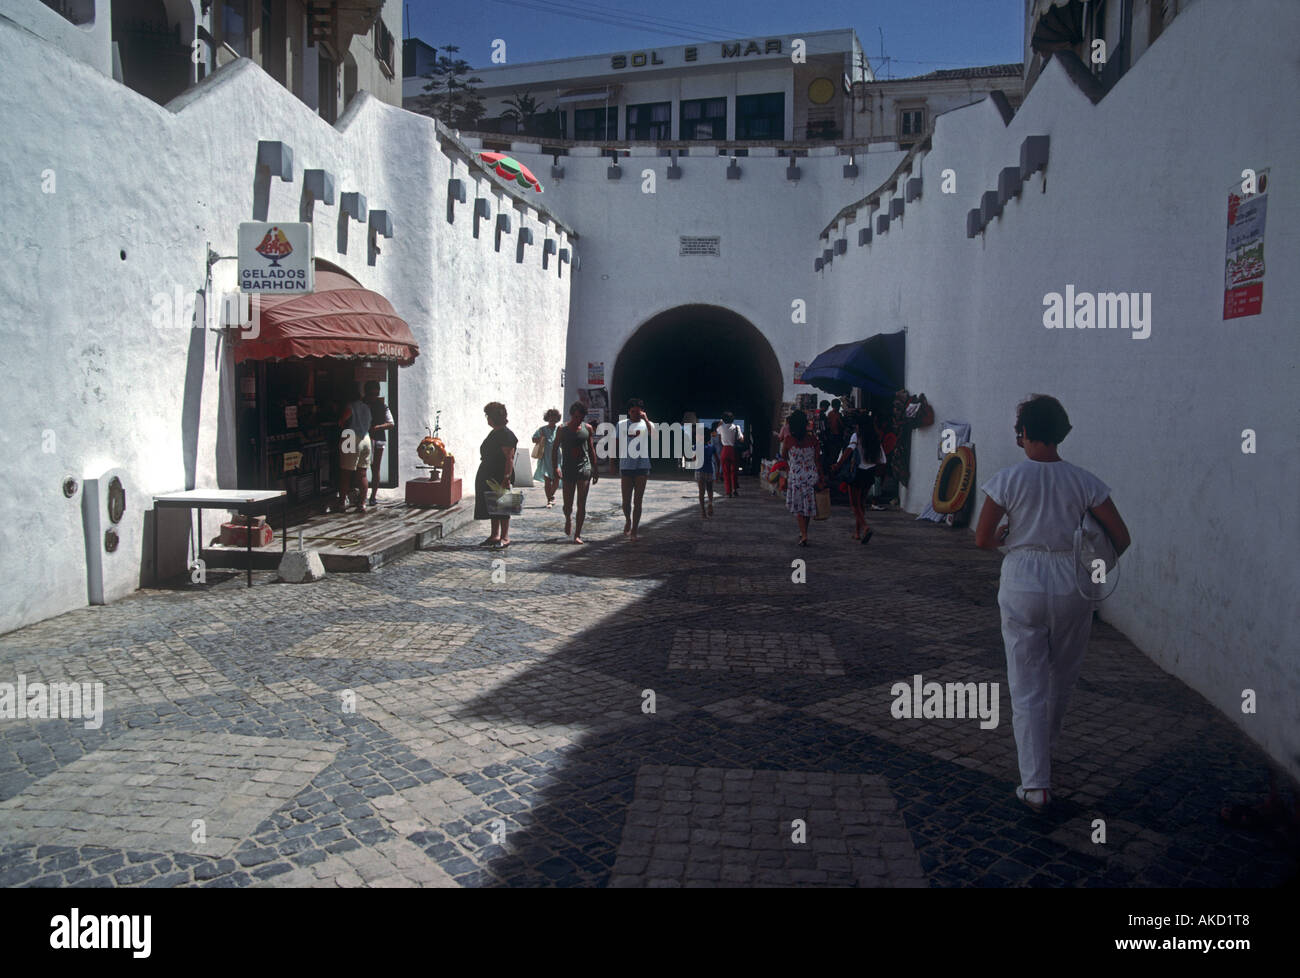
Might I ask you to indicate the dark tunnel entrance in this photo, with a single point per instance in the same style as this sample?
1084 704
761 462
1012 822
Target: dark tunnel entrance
704 359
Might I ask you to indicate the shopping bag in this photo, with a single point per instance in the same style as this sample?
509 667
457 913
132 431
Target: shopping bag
823 504
508 503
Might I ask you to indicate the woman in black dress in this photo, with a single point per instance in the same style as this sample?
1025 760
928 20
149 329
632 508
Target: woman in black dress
496 464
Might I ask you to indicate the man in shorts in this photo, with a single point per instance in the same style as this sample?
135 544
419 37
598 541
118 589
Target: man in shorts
354 450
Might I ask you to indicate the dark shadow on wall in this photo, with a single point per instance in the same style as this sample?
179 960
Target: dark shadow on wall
192 397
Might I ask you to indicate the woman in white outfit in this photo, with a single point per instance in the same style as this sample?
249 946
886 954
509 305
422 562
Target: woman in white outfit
1045 620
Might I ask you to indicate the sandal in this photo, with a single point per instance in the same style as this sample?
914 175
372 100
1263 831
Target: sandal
1026 795
490 542
866 536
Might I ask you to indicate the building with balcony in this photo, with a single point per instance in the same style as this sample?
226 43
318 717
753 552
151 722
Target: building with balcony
818 87
323 52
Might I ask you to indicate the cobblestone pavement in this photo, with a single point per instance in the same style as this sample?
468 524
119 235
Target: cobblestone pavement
468 718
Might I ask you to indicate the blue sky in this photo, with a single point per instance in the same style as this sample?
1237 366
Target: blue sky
919 35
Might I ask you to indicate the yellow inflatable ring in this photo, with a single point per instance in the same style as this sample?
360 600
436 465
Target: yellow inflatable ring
952 486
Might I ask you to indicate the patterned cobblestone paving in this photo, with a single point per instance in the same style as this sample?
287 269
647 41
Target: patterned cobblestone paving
675 712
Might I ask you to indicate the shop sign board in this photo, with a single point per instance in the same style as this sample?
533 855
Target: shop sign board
275 258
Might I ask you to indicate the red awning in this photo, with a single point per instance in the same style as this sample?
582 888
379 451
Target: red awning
340 319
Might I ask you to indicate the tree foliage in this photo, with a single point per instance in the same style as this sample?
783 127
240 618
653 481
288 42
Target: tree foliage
523 110
452 97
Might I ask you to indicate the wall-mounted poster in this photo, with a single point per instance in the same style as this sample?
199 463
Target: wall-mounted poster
799 366
597 401
1243 287
596 374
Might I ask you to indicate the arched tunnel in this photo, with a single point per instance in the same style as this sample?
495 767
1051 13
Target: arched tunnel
705 359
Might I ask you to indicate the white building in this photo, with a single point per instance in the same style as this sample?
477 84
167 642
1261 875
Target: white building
815 88
120 215
323 52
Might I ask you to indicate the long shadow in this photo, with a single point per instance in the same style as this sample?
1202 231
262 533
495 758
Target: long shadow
559 815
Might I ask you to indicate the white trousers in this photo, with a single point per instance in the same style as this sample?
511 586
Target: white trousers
1045 627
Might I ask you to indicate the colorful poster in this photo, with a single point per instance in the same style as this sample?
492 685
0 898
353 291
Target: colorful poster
596 374
799 366
597 401
1243 288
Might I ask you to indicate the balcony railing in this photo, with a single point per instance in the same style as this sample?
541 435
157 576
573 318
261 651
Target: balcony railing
721 147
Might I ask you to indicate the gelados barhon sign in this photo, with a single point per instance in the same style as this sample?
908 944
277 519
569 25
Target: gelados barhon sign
275 257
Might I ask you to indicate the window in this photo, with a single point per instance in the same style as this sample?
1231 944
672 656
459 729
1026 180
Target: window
704 118
235 26
75 11
760 116
911 124
594 125
384 48
651 121
327 87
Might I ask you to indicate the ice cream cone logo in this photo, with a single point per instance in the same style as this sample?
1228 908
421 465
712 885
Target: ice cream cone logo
274 246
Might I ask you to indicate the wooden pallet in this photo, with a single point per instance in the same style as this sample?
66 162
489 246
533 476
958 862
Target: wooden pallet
349 541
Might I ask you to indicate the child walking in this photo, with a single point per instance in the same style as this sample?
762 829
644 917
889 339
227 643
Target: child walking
705 475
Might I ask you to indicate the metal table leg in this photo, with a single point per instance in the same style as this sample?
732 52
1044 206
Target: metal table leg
248 539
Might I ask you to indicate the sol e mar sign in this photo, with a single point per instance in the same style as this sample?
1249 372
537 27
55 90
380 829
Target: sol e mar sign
275 257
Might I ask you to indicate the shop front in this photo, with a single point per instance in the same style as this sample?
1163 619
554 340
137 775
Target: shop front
297 371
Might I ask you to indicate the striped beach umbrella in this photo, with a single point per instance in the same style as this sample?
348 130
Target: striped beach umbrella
511 169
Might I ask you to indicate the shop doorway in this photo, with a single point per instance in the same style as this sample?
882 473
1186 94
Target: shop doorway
310 356
289 423
706 360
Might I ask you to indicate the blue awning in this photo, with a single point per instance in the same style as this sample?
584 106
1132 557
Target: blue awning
874 364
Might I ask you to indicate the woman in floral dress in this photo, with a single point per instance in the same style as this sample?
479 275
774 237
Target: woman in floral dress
800 450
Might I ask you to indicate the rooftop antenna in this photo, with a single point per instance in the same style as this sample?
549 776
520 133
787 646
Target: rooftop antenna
883 60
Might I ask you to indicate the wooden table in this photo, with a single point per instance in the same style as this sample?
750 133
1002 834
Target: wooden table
246 502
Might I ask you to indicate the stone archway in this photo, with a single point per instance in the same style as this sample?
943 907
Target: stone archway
701 358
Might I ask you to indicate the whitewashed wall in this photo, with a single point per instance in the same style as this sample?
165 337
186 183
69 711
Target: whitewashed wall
93 384
631 269
1134 198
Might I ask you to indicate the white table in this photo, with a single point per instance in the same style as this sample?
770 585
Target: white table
247 502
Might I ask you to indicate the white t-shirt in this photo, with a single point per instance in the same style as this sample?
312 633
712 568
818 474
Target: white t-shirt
730 433
864 464
636 436
1044 501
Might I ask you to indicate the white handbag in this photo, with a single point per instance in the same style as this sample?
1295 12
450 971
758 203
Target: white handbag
1096 565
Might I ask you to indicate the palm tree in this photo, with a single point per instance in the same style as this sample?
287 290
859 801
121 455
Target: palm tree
523 110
